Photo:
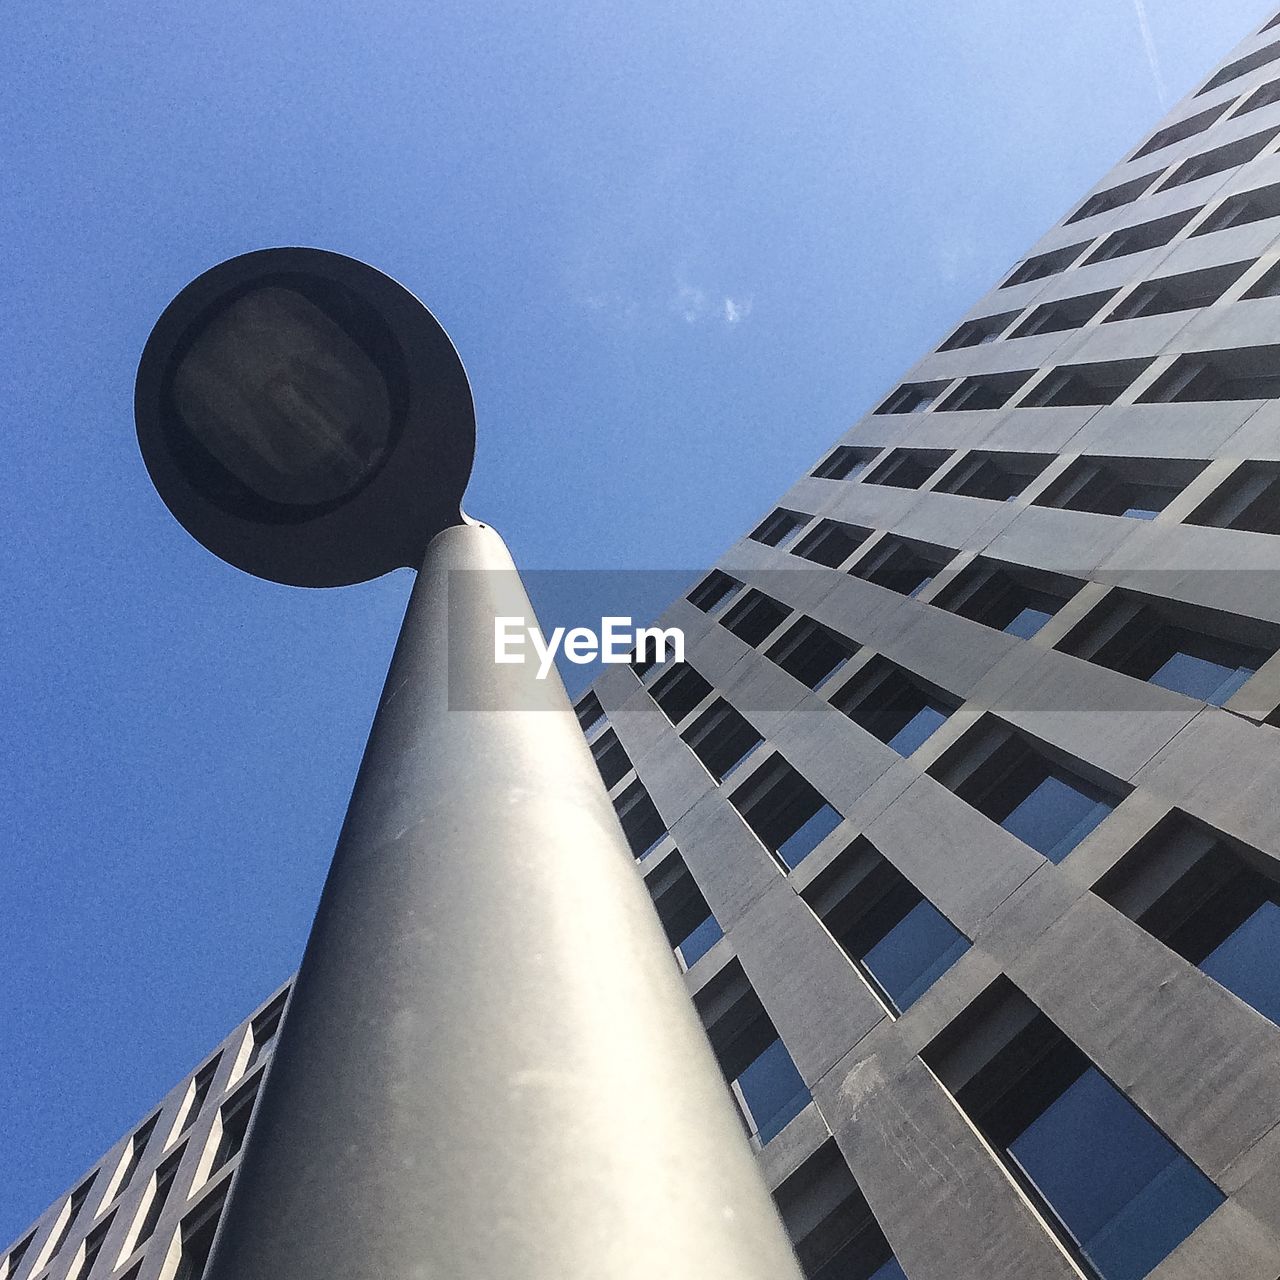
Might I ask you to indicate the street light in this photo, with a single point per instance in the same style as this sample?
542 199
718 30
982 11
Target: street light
489 1067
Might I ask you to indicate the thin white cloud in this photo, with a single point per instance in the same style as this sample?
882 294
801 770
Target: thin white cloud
694 305
1149 44
690 303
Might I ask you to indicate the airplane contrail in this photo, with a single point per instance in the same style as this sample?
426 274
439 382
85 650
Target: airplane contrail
1150 45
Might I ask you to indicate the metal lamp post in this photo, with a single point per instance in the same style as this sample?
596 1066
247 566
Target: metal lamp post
489 1067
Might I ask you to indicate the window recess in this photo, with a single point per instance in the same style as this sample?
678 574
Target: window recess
1139 488
898 940
1007 597
1212 900
1048 801
1118 1194
1200 652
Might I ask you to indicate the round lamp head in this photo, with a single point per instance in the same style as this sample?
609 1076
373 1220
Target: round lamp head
305 418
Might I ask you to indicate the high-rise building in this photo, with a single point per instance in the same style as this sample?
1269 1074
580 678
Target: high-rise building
961 812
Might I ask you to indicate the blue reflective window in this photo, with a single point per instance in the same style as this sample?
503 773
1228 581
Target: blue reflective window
746 756
1055 816
890 1271
914 954
921 726
1026 622
899 940
1140 513
1127 1196
889 702
806 839
1199 677
1221 912
865 1257
773 1091
786 812
856 1267
699 941
1246 962
824 679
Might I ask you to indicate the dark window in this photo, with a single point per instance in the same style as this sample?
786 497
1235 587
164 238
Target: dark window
678 691
1262 97
1139 488
894 705
908 468
785 811
975 333
722 738
264 1030
912 397
611 758
589 712
641 822
690 927
769 1090
998 476
646 655
1113 197
713 590
74 1205
1008 597
835 1235
1064 314
160 1189
1200 652
899 940
779 528
1242 66
844 462
19 1251
642 666
904 566
1145 235
1120 1195
1229 156
200 1087
1046 264
811 652
754 616
1085 384
197 1234
831 543
1242 208
1215 903
1249 499
1181 131
985 391
92 1248
1267 285
236 1113
1179 293
1246 373
137 1147
1016 783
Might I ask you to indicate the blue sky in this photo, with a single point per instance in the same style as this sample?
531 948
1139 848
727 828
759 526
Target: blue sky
680 246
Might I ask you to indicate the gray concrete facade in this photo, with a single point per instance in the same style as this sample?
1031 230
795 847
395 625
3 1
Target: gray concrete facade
1136 344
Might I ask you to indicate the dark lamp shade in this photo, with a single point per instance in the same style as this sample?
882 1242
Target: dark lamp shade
282 396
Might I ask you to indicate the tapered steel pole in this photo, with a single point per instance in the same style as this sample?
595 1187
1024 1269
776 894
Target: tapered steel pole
489 1067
